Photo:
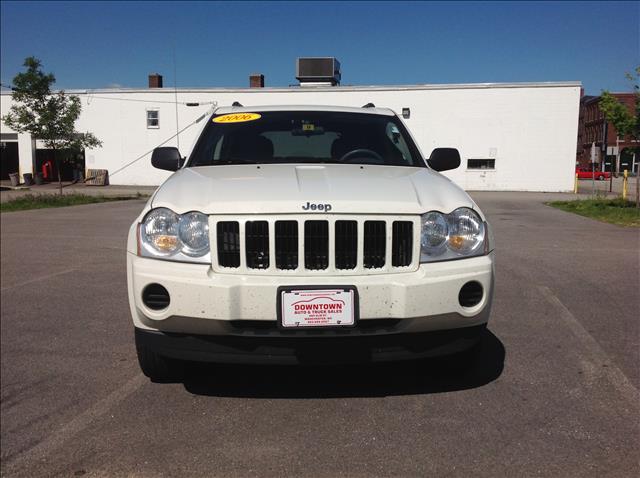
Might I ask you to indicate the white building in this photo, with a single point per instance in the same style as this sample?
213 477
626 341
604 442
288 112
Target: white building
511 136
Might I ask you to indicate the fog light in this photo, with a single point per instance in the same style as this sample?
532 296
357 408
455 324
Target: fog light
155 297
470 294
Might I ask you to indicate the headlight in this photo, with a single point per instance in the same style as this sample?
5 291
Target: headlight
167 235
451 236
435 230
193 230
159 231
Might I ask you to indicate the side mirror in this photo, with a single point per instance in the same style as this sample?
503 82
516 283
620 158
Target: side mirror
167 158
443 159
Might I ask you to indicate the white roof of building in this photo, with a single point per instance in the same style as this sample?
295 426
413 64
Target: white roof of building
306 89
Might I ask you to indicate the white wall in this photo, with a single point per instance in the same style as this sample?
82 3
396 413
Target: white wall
529 129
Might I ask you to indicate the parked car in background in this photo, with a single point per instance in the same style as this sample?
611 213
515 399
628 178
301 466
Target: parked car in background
584 173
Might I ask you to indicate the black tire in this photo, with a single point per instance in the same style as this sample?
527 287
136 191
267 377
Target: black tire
158 368
601 178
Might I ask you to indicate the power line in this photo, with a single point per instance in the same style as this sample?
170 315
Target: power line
200 118
197 120
90 97
185 103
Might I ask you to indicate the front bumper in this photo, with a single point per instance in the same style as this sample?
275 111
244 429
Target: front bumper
205 302
308 350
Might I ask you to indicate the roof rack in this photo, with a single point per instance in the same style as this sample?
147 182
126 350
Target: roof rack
369 105
236 103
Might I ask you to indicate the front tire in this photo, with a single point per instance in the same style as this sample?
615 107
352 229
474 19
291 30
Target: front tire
601 178
158 368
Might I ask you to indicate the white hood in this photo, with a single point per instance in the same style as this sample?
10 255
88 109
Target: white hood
286 188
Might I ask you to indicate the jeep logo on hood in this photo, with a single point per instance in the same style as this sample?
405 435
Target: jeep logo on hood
317 207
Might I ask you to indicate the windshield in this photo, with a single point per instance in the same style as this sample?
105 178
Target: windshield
305 137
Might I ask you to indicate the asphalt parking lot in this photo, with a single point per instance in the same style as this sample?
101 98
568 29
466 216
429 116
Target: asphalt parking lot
555 392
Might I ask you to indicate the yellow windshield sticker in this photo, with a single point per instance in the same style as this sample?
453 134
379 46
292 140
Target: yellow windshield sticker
236 118
308 127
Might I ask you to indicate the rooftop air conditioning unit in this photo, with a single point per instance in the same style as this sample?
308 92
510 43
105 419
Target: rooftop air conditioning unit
318 71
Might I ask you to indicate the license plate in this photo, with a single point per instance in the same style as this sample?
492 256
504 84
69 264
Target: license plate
317 307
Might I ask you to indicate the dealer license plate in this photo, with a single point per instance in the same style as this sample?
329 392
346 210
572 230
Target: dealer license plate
315 307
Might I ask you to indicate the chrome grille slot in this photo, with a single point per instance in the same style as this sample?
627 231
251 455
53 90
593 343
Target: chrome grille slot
257 244
346 245
316 245
402 243
286 245
374 244
228 237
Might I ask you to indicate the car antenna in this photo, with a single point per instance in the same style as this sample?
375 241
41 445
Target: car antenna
236 103
369 105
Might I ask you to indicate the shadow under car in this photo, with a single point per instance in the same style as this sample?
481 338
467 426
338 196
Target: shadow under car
425 376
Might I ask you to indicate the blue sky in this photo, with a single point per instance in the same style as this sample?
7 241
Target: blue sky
100 44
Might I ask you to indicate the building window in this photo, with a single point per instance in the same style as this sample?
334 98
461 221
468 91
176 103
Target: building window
481 164
153 119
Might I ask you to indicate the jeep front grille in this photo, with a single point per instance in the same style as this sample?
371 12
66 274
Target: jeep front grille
319 244
346 245
257 244
228 239
286 245
402 243
375 244
316 245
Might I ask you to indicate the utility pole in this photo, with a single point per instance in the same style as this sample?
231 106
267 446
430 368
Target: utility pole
593 170
605 131
637 181
617 153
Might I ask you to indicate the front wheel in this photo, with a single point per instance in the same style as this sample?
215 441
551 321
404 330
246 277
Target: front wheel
601 177
157 367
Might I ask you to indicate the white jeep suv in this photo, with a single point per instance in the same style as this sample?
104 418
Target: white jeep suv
306 234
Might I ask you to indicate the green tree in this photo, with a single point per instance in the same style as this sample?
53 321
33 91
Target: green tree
617 114
46 115
635 130
626 122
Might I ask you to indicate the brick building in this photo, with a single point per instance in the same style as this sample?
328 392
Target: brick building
593 128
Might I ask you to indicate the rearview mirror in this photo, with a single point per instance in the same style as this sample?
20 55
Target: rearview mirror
167 158
443 159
